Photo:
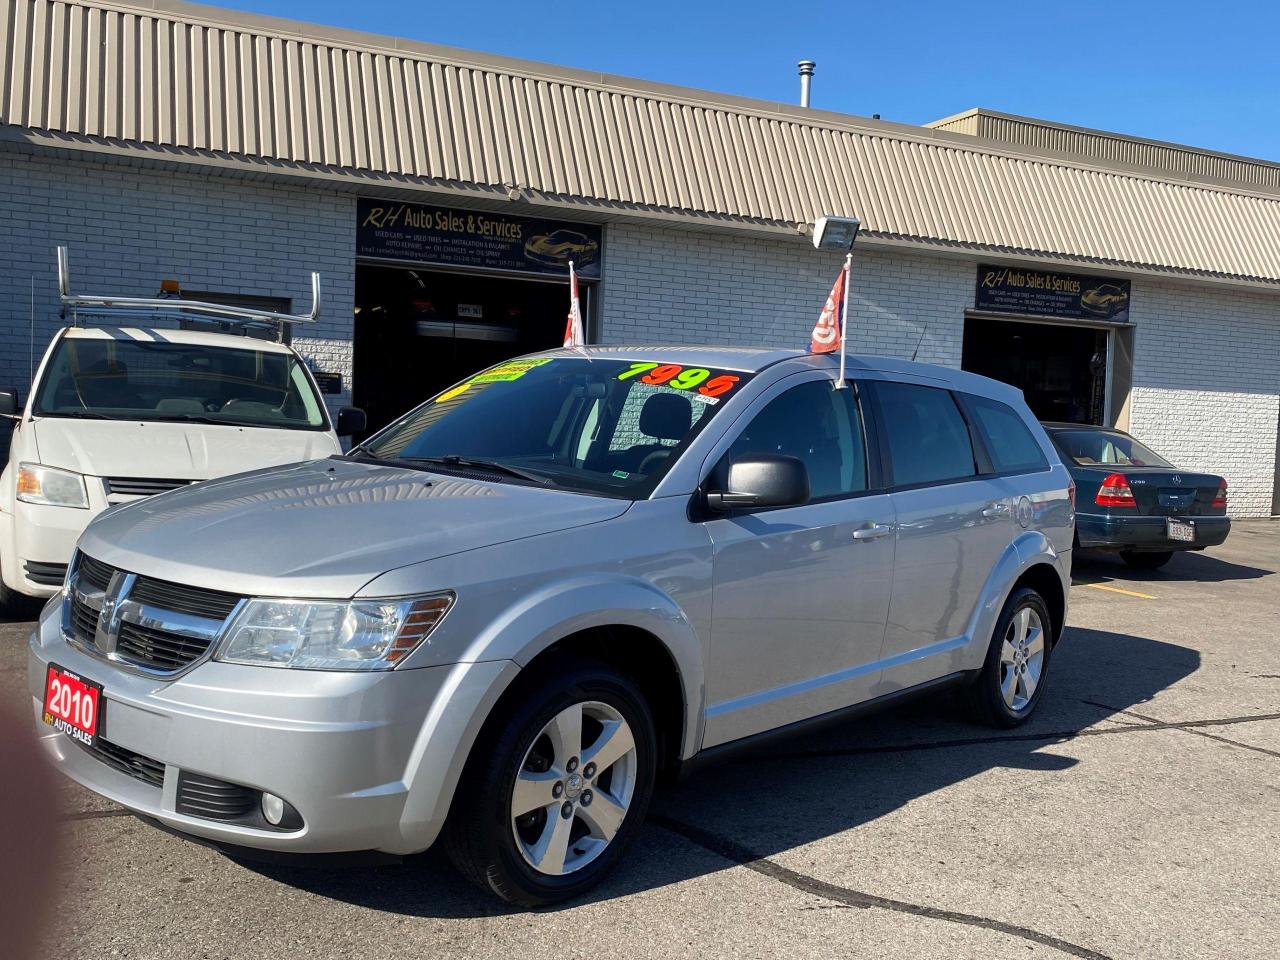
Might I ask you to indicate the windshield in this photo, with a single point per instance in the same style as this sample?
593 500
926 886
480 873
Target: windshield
612 427
148 380
1099 448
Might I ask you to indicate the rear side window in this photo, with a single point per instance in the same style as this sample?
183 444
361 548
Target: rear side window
1012 446
927 436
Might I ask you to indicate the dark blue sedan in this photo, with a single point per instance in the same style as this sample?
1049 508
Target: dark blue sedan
1131 501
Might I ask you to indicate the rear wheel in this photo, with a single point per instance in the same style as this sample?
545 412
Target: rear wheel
1017 666
1146 561
555 791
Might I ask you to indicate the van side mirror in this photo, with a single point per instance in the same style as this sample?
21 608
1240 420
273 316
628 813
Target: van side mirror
351 420
9 403
762 481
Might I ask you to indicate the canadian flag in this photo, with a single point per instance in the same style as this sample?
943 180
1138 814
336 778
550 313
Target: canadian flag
829 330
573 336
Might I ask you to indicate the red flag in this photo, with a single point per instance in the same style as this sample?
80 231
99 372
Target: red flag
830 326
573 335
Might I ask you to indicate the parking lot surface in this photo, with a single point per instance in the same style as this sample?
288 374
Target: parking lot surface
1137 816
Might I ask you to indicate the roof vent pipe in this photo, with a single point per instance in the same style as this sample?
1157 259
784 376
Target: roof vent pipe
806 78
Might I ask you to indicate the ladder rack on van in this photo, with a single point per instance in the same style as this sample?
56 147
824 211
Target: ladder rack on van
227 318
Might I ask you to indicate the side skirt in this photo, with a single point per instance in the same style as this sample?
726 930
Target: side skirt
766 738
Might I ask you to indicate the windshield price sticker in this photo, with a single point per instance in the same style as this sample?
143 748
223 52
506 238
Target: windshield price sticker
507 372
705 383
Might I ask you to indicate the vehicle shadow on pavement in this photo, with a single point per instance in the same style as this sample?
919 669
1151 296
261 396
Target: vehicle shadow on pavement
815 786
1186 567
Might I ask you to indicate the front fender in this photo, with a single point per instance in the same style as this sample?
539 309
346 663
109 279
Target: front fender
510 642
1025 551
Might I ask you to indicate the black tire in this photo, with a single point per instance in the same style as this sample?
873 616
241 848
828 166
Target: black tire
478 836
985 700
1146 561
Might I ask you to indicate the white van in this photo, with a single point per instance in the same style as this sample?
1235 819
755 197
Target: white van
117 413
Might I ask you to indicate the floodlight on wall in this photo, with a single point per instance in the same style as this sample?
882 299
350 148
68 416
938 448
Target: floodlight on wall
835 233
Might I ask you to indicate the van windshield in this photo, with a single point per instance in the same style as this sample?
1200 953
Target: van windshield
610 427
149 380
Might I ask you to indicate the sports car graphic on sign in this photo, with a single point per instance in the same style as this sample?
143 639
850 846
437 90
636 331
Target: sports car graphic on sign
560 246
1105 301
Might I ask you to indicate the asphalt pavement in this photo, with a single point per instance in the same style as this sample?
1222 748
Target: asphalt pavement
1137 816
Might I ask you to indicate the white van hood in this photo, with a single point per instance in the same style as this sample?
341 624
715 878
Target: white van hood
172 451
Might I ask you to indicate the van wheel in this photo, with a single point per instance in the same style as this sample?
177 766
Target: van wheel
554 792
1013 676
1146 561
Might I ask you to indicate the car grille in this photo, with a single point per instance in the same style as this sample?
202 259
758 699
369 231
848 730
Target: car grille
47 574
126 761
141 486
158 649
163 627
214 799
182 599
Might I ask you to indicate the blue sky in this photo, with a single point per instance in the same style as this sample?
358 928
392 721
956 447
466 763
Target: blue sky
1204 74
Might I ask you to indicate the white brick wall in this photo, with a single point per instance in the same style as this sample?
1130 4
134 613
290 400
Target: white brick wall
1207 383
1207 358
128 228
705 288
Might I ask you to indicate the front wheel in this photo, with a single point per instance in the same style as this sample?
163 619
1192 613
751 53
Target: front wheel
1014 673
556 789
1146 561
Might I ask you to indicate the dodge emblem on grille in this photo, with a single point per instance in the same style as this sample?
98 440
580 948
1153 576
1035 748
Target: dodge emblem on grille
107 635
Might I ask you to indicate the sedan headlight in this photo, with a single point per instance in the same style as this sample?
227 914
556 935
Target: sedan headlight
51 486
332 635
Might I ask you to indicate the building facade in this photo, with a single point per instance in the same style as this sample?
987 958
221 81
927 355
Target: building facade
441 194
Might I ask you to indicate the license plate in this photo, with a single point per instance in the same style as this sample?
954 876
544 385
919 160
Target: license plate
1180 530
72 704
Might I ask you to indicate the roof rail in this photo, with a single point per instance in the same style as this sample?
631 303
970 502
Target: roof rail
214 312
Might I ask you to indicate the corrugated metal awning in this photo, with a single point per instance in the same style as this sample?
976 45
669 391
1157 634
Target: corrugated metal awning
134 78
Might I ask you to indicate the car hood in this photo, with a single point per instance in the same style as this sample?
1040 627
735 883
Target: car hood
171 451
325 529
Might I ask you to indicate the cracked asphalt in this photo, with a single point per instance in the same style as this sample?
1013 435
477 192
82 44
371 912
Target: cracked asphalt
1137 816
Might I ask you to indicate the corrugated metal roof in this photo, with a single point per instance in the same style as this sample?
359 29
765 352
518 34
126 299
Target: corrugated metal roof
1100 145
175 75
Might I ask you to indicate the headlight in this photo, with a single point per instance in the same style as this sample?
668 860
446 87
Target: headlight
332 635
48 485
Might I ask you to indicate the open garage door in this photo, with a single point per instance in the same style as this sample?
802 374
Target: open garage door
1061 369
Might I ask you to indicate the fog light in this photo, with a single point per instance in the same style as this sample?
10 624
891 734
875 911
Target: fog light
272 809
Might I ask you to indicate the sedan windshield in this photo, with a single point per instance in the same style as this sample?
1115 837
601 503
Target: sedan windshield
1102 448
152 380
611 427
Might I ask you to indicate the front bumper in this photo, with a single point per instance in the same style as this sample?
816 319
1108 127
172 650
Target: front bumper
1102 532
44 537
367 759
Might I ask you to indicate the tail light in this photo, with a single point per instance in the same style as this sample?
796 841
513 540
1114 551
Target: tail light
1071 492
1221 499
1115 492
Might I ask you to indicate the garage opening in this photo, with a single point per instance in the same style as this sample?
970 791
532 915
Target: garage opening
418 331
1061 369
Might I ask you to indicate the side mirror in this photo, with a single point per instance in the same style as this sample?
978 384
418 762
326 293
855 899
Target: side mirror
762 481
351 420
9 403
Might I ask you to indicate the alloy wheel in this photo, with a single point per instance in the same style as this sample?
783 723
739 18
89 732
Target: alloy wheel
1021 659
574 788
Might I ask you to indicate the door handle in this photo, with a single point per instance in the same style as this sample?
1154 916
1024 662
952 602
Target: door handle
872 532
996 509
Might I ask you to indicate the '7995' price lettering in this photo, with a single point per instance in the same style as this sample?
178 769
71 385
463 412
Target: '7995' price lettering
681 378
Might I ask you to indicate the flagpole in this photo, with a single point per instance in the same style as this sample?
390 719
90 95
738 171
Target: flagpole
844 316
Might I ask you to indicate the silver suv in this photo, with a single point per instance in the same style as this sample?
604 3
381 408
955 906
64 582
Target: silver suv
502 618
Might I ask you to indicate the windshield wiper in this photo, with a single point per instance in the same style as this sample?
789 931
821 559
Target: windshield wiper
76 414
453 460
